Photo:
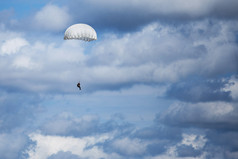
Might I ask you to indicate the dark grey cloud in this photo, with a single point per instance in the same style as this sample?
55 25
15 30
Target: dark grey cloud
225 9
217 121
212 115
199 90
157 148
159 132
163 137
111 16
188 151
124 15
120 15
223 139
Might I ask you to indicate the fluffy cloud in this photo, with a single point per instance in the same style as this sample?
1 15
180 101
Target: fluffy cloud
191 146
13 46
157 141
178 51
162 54
232 87
160 57
47 146
109 139
118 143
52 18
24 62
196 141
219 120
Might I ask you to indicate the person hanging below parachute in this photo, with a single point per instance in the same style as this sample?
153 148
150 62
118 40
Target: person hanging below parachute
78 85
80 32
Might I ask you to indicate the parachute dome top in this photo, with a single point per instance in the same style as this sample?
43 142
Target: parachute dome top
81 32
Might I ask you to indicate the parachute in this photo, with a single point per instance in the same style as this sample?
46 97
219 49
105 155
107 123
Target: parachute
80 31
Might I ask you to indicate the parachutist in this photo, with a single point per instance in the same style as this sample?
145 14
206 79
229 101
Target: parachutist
78 85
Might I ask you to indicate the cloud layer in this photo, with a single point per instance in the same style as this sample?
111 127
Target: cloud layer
160 81
166 54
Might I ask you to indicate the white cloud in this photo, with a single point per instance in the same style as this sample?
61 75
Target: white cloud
196 141
155 54
208 110
159 53
49 145
232 86
24 62
52 18
13 46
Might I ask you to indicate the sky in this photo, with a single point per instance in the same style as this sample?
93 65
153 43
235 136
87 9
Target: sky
160 82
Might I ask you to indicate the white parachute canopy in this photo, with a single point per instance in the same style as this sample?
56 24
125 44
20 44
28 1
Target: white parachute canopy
81 32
